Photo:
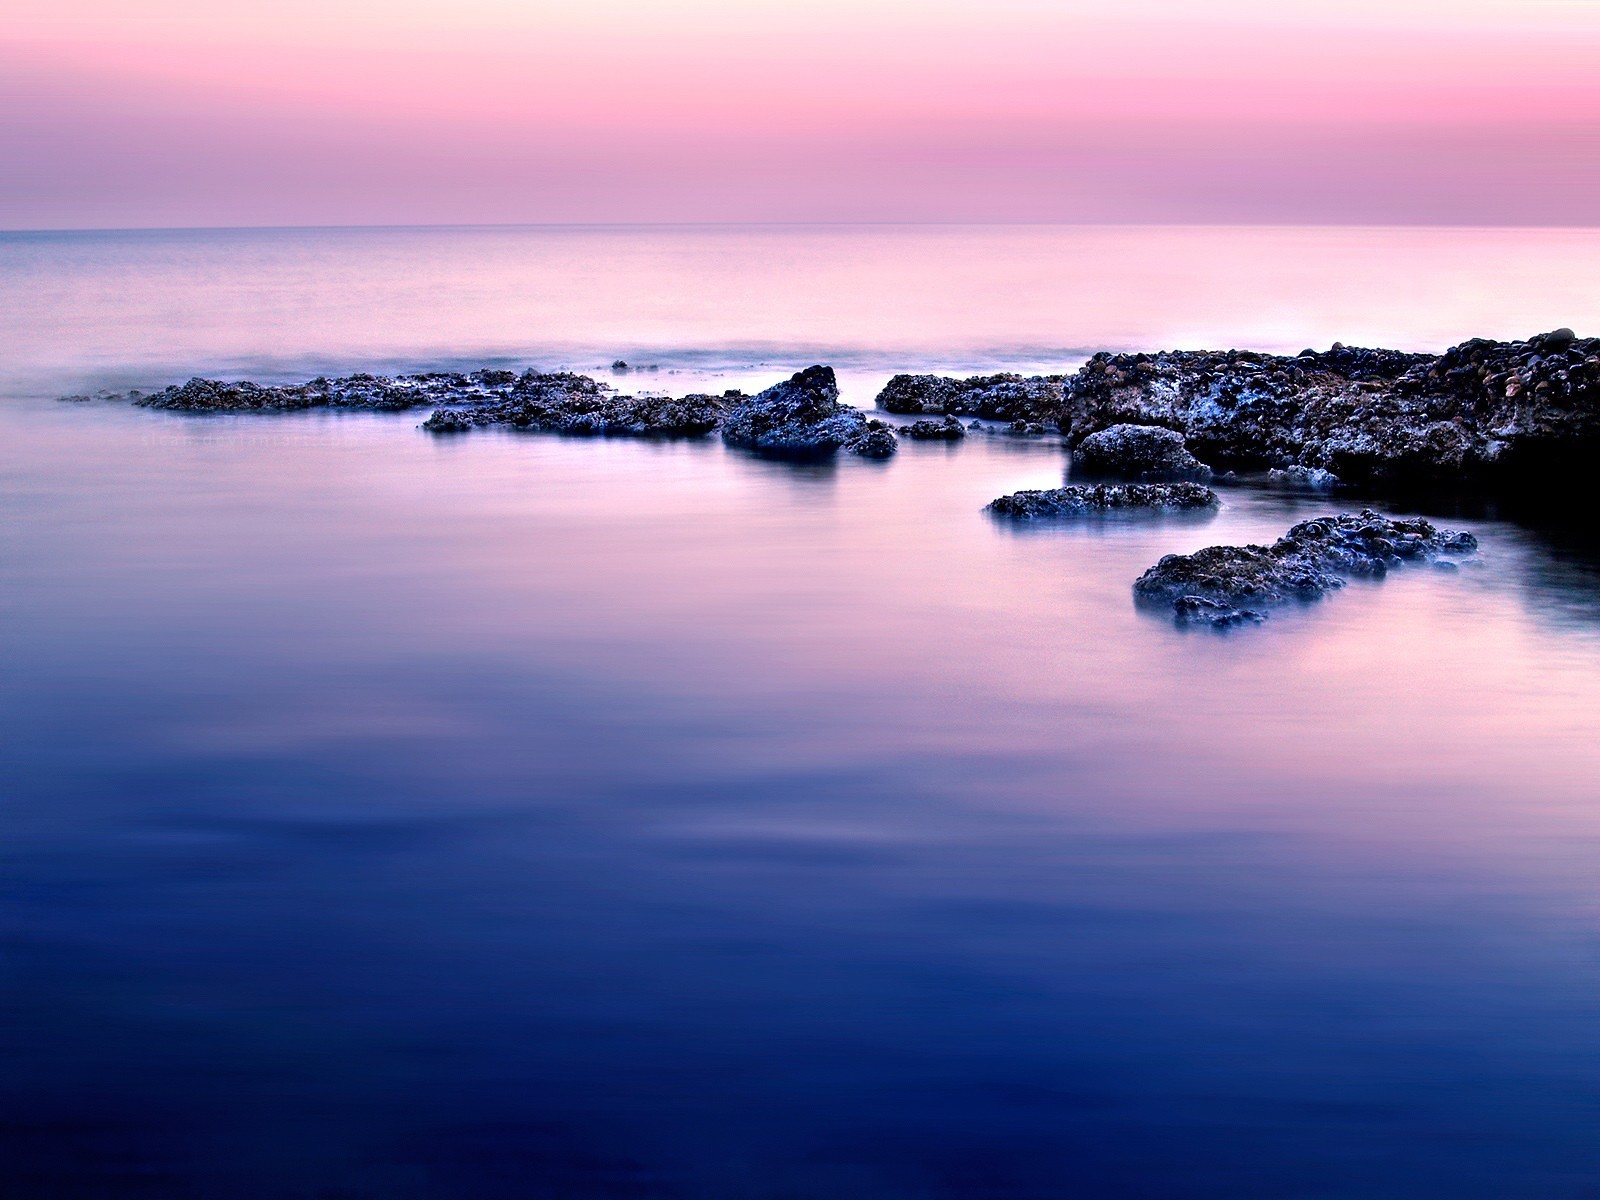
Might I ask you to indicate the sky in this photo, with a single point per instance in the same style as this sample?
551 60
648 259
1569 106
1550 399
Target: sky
157 113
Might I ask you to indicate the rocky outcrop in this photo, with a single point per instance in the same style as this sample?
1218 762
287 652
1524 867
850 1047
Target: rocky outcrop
1230 585
1484 412
802 417
579 407
1148 453
1080 500
370 392
947 430
1035 400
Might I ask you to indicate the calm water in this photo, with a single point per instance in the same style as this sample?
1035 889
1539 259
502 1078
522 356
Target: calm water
505 816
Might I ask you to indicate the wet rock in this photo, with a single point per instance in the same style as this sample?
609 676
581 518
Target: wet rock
947 430
1228 585
803 418
1003 397
1506 415
1021 428
449 420
876 441
1148 453
1080 499
1309 479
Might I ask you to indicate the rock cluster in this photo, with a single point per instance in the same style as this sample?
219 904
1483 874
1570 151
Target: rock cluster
799 418
1148 453
1481 413
803 417
1229 585
1030 401
928 430
370 392
578 406
1079 500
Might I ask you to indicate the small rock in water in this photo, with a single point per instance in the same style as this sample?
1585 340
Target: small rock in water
1081 499
1228 585
948 430
1314 479
1149 453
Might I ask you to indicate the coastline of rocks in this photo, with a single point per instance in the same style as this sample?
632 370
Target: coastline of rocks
1083 499
1225 586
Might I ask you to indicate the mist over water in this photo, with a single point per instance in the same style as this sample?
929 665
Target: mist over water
514 816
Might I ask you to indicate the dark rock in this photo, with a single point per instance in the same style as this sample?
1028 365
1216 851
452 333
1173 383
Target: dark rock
876 441
803 418
1311 479
449 420
1021 428
1143 452
1223 585
1497 414
994 397
1079 499
947 430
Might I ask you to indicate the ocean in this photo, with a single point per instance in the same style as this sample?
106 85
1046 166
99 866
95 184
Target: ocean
505 816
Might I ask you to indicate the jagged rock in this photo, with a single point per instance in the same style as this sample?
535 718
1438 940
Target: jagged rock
947 430
1079 499
449 420
994 397
803 418
1227 585
1489 413
1144 452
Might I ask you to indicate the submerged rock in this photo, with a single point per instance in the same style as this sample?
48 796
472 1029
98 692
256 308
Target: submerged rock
1034 400
1148 453
1227 585
802 417
1483 413
1105 497
948 430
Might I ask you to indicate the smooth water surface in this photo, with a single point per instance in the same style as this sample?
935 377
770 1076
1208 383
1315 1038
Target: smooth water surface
507 816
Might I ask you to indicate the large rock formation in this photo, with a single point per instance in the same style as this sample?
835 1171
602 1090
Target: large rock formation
1229 585
1482 413
1034 401
1079 500
803 418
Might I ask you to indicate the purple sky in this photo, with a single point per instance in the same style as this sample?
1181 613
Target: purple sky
418 111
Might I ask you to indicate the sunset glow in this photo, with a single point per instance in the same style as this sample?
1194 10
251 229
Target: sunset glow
179 113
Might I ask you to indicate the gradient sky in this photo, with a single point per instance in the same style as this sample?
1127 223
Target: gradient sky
178 112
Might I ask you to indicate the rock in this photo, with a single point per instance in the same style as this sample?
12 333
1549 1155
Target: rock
1143 452
1078 500
448 420
619 366
1313 479
802 418
947 430
877 441
1021 428
994 397
1502 415
1228 585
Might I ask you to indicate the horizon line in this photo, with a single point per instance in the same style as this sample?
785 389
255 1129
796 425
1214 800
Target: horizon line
792 224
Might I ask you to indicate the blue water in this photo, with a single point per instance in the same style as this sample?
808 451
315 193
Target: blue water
511 816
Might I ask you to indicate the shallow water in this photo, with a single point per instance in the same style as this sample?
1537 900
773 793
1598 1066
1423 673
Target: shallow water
509 816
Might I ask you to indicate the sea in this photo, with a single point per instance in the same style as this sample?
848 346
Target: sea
386 816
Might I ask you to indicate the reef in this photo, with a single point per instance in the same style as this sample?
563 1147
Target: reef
1484 413
1080 500
1032 401
1222 586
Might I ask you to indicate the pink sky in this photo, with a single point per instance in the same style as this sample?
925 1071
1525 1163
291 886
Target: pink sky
417 111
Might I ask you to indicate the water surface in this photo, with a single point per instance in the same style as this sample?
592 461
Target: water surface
514 816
